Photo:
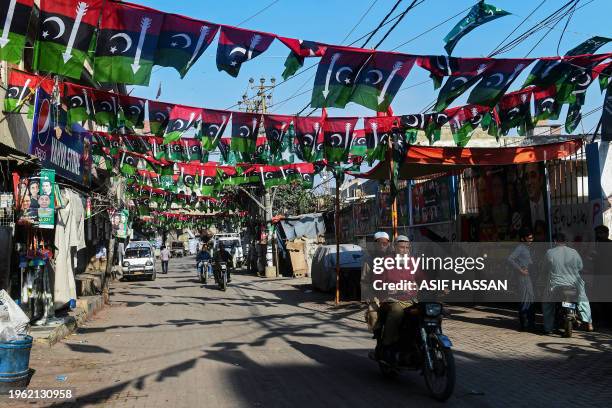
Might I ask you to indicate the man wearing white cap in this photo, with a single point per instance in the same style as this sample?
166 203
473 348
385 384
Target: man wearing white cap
381 248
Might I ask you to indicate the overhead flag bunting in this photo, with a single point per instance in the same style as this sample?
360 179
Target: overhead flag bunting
276 128
214 123
133 111
546 105
126 43
335 77
380 79
21 88
479 14
514 111
159 114
65 33
182 118
358 145
106 108
14 19
245 127
236 46
79 100
300 49
308 130
338 135
496 81
468 72
463 120
182 41
377 132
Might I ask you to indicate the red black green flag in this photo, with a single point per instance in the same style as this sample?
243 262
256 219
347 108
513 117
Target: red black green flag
126 43
336 76
308 130
207 178
338 135
65 34
496 81
514 111
182 118
546 104
272 176
237 46
276 128
245 127
440 66
21 88
377 132
300 49
606 116
182 41
129 163
79 100
14 19
358 144
380 79
468 73
192 150
106 108
463 120
133 111
306 173
214 123
159 113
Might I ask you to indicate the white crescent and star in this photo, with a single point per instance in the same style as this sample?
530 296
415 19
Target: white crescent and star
379 76
309 138
12 92
106 103
128 41
341 70
185 37
60 25
248 131
460 80
413 124
77 98
547 104
160 116
238 49
498 75
212 130
336 135
177 122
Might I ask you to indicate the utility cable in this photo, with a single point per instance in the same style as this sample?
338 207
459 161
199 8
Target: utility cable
257 13
382 23
569 18
359 21
517 27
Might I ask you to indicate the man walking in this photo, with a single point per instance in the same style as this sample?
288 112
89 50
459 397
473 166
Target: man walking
522 261
165 258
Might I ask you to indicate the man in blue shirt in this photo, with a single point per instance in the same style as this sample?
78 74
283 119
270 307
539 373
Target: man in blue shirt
201 259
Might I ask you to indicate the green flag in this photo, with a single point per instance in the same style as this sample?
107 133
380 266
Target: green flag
479 14
14 28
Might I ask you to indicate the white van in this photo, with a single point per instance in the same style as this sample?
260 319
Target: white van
232 244
139 260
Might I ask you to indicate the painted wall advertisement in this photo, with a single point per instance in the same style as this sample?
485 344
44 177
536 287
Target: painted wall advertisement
64 149
35 198
432 201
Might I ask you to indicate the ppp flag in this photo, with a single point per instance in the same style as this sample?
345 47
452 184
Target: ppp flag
237 46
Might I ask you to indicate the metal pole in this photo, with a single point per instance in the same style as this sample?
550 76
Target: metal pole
337 230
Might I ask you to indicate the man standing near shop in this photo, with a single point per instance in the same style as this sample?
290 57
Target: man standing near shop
534 178
165 258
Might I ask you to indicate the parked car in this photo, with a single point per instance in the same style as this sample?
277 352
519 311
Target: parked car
139 260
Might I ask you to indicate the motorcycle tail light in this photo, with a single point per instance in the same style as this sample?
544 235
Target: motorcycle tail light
433 309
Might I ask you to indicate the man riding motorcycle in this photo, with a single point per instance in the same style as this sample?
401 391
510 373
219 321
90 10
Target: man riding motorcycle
222 255
201 259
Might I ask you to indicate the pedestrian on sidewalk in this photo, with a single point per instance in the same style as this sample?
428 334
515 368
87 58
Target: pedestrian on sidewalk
101 256
165 258
565 264
522 261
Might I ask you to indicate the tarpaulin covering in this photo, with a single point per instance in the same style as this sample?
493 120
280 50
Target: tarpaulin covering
308 225
422 161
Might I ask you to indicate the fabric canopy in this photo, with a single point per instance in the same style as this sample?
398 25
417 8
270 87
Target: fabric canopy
427 161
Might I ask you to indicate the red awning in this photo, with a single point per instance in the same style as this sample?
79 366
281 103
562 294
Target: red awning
424 161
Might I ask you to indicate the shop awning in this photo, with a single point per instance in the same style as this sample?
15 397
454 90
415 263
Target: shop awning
428 161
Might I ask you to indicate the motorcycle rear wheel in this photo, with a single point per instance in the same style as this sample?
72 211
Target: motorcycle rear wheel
443 368
568 328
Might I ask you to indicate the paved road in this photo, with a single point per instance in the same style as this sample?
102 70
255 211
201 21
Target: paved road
273 343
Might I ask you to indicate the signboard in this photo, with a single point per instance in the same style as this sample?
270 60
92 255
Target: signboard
119 222
67 151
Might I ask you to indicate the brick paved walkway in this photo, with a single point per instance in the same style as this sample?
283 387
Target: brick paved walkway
273 343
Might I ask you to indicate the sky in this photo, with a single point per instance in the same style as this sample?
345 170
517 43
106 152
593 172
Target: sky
331 21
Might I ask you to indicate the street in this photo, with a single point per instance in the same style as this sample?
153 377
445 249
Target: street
274 343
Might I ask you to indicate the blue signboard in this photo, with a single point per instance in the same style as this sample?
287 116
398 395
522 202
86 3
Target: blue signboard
68 151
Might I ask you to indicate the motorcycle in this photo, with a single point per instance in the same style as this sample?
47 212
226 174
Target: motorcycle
221 275
566 310
422 346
